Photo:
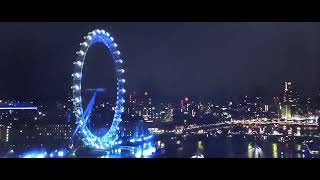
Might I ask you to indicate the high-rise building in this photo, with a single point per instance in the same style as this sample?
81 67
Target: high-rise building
148 111
3 133
286 112
289 106
168 117
185 105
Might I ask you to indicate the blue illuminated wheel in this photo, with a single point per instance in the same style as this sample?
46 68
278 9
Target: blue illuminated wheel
110 137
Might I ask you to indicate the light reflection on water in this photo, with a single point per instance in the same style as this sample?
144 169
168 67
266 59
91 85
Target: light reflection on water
146 150
275 150
223 147
249 147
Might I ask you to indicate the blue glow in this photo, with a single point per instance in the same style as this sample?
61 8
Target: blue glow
60 153
21 108
145 152
83 117
34 154
138 154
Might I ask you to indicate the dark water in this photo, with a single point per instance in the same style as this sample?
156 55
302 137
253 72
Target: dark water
235 147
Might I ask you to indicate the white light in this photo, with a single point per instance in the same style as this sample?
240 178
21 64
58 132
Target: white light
60 153
103 31
138 154
80 53
111 38
11 108
98 31
119 61
122 90
107 34
118 52
77 75
121 70
40 156
122 80
88 37
115 45
84 44
77 100
76 87
79 63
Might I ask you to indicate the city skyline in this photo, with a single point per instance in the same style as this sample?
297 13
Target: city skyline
210 60
181 90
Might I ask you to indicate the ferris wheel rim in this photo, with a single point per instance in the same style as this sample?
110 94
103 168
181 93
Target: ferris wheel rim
93 37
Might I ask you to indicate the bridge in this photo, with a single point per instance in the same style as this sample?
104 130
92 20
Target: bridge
205 128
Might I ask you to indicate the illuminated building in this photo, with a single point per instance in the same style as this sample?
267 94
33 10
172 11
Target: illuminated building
298 131
286 112
290 101
266 108
168 116
148 111
56 132
4 134
287 92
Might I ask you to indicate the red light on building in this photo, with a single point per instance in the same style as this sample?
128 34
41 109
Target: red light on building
146 93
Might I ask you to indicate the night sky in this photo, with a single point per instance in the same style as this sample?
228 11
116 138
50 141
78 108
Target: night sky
215 60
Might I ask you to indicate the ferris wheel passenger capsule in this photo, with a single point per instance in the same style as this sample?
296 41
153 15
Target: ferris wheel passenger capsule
88 38
122 90
79 63
111 38
81 53
79 112
121 71
84 44
122 101
77 75
119 61
76 87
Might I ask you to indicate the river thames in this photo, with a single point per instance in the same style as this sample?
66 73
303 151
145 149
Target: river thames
243 145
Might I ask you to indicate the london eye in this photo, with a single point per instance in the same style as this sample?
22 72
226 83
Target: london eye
82 112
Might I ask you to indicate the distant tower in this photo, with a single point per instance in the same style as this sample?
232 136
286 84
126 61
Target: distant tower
288 101
148 113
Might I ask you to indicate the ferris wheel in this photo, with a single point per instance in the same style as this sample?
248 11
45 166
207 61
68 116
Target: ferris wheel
109 138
